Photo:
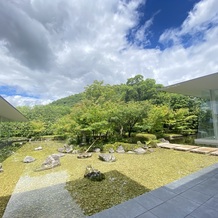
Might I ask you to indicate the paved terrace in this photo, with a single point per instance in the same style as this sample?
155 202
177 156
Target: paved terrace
194 196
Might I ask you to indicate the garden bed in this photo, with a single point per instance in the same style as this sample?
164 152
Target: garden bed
129 176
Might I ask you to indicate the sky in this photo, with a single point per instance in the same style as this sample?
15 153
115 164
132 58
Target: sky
55 48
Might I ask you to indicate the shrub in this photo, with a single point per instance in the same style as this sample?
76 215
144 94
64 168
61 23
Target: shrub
144 137
126 146
60 137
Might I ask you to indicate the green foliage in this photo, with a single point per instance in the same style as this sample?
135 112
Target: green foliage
69 101
139 89
125 116
126 146
157 118
111 113
144 137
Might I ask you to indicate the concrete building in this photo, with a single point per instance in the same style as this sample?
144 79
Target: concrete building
10 113
205 87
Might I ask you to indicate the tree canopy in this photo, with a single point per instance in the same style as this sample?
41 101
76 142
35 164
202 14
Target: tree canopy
109 111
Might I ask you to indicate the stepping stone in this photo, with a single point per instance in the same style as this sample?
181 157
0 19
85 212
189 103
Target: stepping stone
204 150
215 153
185 147
169 146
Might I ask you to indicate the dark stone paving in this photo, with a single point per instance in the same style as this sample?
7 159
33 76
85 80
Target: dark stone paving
194 196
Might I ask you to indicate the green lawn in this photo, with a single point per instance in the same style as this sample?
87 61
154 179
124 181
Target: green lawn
129 176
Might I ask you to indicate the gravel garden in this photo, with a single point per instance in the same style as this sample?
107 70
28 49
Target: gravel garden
128 175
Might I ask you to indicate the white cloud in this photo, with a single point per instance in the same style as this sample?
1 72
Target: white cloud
203 17
51 49
204 14
18 100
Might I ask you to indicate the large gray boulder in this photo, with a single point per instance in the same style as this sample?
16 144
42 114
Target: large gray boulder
107 157
28 159
50 162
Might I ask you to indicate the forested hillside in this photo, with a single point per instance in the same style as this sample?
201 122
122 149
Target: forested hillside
110 112
68 101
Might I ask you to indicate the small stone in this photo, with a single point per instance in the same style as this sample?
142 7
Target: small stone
28 159
107 157
75 152
84 155
163 140
140 150
59 154
93 174
130 152
111 150
120 149
66 149
62 150
38 148
97 150
1 169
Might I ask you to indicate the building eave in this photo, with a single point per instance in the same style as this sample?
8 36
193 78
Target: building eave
195 87
10 113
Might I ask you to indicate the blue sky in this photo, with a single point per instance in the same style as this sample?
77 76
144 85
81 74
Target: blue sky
165 15
54 48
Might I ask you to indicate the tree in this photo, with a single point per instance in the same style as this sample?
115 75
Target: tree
126 115
156 119
138 89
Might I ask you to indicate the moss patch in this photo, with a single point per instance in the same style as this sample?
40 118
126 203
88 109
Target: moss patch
150 170
93 196
8 150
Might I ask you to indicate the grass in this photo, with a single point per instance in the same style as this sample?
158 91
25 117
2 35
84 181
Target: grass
129 176
95 196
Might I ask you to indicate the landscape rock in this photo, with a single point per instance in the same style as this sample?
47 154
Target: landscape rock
140 151
1 169
120 149
38 148
84 155
28 159
163 140
75 152
111 150
107 157
59 154
66 149
151 150
145 146
142 145
130 152
97 150
51 162
62 150
93 174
